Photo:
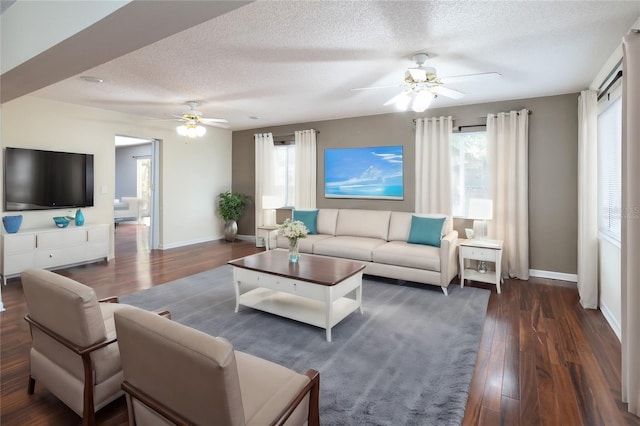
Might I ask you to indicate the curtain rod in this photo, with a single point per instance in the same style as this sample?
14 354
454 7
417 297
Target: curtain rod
288 135
617 77
471 125
284 136
529 112
612 72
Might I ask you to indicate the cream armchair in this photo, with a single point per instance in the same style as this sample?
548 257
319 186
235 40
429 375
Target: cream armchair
174 374
73 352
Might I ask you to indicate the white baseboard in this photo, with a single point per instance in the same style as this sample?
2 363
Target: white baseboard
613 323
188 243
553 275
246 237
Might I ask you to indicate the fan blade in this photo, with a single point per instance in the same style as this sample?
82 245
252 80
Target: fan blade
163 119
396 98
220 125
468 77
213 120
449 93
374 87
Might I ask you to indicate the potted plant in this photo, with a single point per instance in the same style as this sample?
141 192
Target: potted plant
230 208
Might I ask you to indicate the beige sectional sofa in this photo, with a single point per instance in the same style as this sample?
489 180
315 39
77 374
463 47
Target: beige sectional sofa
379 238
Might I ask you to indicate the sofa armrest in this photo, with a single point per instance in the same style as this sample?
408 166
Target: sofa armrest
448 261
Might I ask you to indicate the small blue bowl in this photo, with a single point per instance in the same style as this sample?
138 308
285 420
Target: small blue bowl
12 223
61 221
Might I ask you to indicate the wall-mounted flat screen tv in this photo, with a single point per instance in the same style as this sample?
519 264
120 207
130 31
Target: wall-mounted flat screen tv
40 180
372 172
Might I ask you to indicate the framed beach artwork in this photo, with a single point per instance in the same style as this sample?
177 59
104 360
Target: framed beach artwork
371 172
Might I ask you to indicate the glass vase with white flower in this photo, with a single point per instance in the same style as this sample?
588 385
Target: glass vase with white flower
293 231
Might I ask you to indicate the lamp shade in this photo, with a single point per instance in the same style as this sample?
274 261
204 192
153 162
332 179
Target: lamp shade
191 130
422 100
480 209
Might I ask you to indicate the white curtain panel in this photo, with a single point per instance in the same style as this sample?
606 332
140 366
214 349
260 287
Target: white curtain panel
265 177
508 145
305 169
433 165
588 199
631 222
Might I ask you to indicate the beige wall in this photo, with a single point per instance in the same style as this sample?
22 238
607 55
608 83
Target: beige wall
192 173
552 167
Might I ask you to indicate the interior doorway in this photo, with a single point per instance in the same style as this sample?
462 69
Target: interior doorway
136 201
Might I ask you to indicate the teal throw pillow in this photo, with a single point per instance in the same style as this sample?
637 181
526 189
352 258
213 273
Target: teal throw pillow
426 230
309 218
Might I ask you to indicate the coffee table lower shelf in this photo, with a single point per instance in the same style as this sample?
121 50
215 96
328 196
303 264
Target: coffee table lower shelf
299 308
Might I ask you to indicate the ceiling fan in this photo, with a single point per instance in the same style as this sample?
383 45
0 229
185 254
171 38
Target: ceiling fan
192 121
422 85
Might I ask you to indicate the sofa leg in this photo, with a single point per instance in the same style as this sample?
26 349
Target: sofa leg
445 291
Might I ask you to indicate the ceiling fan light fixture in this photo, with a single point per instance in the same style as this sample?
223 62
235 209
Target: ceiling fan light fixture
402 103
191 130
422 100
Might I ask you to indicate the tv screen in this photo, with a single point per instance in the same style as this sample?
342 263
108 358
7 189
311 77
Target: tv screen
40 180
372 172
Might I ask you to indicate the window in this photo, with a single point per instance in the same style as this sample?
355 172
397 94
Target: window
284 158
470 169
610 167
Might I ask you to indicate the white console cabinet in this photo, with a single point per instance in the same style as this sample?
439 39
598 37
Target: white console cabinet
51 248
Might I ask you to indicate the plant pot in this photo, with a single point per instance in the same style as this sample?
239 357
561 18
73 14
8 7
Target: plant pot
230 230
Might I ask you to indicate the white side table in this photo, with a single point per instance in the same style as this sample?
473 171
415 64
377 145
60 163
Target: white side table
481 250
267 229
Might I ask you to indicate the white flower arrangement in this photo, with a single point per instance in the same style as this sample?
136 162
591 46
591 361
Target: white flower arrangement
293 230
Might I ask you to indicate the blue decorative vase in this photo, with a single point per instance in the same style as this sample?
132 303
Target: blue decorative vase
12 223
79 218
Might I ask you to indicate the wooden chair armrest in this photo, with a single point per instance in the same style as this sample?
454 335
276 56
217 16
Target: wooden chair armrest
112 299
313 388
164 313
68 344
156 406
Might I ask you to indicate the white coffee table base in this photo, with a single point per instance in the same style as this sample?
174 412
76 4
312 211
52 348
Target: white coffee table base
315 304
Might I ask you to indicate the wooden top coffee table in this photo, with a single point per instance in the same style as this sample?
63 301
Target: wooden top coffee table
312 291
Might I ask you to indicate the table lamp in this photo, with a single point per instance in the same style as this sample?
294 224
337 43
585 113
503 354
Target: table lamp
480 210
269 205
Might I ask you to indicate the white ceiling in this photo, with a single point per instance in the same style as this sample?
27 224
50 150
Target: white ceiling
297 61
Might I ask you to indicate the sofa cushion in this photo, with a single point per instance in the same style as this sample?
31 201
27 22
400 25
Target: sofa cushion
309 218
356 248
363 223
305 245
400 224
426 230
408 255
327 219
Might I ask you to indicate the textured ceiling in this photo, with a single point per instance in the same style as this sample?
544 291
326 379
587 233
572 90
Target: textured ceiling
297 61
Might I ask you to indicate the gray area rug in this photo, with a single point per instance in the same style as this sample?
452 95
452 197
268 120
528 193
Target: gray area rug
408 360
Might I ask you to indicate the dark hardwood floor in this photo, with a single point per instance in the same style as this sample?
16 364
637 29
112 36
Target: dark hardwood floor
543 360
